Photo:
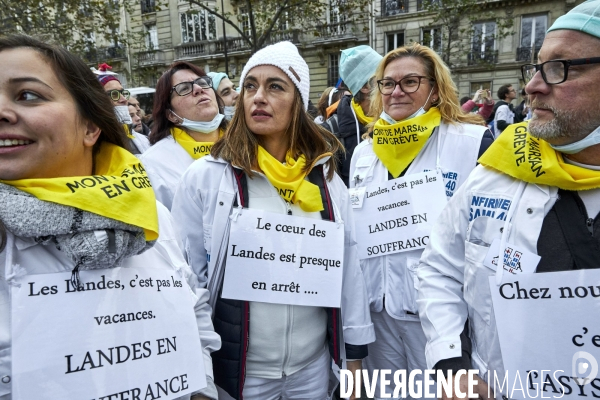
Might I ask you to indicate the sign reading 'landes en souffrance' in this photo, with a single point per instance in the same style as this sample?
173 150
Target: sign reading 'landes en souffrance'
283 259
398 215
126 333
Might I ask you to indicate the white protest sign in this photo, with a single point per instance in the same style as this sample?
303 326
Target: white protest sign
549 334
398 215
131 334
283 259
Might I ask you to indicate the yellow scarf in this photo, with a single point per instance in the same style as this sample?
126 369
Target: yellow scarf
195 149
119 190
520 155
128 132
360 114
289 180
397 145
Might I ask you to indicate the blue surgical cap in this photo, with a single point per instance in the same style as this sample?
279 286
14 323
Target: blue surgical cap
357 66
584 18
217 77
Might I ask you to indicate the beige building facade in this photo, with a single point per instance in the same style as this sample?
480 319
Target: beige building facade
401 22
174 31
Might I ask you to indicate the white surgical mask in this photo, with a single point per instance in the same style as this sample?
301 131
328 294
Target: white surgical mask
588 141
228 111
122 113
201 126
384 116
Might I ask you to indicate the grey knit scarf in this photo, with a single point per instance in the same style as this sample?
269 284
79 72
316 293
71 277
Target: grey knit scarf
90 240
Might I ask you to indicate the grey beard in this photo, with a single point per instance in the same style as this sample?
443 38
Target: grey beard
565 124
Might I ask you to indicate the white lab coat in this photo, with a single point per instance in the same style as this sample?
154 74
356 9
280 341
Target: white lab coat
202 206
39 259
165 162
453 282
394 275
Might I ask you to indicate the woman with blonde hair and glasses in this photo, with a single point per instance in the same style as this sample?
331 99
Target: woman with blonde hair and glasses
420 127
276 162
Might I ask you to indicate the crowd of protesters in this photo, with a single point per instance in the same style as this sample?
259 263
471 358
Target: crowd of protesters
89 191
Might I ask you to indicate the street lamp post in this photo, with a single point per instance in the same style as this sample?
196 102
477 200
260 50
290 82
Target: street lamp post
224 39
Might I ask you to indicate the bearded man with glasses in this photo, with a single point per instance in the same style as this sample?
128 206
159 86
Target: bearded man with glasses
535 198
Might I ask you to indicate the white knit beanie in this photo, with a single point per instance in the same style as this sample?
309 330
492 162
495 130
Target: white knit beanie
285 56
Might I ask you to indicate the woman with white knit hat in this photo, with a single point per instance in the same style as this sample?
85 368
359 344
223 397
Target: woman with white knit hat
276 161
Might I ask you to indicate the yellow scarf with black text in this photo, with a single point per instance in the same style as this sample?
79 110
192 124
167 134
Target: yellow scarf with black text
360 114
195 149
518 154
397 145
288 179
119 189
128 131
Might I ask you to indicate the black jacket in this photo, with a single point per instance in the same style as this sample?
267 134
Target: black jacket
231 317
343 125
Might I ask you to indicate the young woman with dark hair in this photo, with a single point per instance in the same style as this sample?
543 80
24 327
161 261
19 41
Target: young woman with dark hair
61 148
273 158
187 122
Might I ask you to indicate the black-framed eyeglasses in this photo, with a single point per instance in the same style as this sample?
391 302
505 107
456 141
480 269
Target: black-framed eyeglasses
554 71
116 94
409 84
185 88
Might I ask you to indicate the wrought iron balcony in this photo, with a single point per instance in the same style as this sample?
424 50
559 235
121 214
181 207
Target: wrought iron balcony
524 54
330 32
482 57
211 47
393 7
151 57
104 54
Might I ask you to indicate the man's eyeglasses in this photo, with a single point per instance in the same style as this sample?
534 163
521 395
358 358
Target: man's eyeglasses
409 84
116 94
185 88
554 71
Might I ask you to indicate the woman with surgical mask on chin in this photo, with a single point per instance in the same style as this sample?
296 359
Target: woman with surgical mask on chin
420 127
187 122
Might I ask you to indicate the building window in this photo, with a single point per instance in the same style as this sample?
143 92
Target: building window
423 4
533 31
197 26
244 20
148 6
393 7
151 37
483 45
475 86
333 71
336 18
394 40
432 37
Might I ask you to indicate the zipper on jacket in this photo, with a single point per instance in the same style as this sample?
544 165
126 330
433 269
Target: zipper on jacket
288 208
590 225
288 339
